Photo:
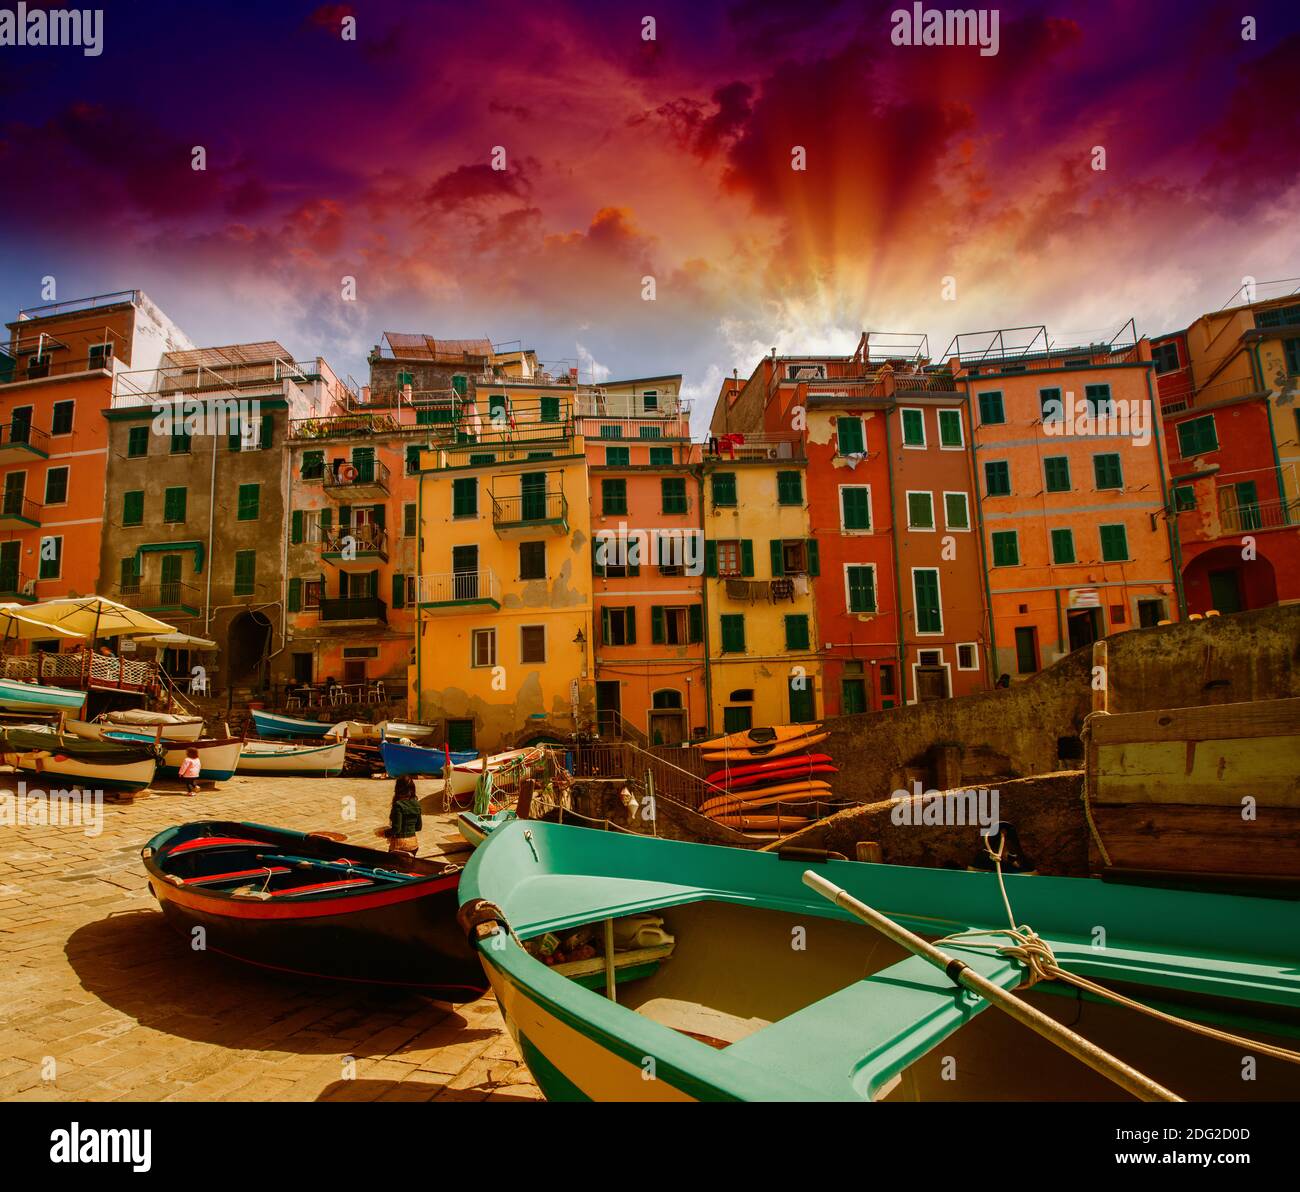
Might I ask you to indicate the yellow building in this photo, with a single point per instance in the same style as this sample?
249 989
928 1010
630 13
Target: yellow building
760 561
503 632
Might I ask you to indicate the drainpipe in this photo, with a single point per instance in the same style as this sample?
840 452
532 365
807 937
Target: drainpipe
1171 514
212 510
898 581
419 562
704 606
1257 367
979 520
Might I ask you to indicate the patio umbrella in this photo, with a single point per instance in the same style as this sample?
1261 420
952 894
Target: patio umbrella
17 626
96 616
177 641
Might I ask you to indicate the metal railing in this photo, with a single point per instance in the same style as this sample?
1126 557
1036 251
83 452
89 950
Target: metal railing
352 608
346 426
361 540
29 367
450 587
365 473
24 434
667 429
529 508
626 405
15 583
169 594
16 505
1260 515
92 303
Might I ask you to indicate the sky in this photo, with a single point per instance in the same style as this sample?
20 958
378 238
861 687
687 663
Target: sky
942 191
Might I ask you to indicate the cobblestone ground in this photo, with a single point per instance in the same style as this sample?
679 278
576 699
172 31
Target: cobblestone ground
100 1001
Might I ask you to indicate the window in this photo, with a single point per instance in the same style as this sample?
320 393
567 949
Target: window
991 411
730 557
1278 316
860 588
1196 436
618 457
618 626
887 680
266 435
313 465
796 631
61 421
789 488
1107 472
855 507
1184 497
968 656
956 511
550 409
51 566
613 497
1291 349
737 720
464 497
926 599
650 432
802 703
313 590
920 511
412 461
56 486
410 520
99 356
724 488
133 508
137 442
1056 471
1051 406
661 457
479 459
1006 548
611 432
733 633
951 434
180 442
1165 356
997 478
483 647
129 575
676 626
672 491
174 504
250 501
1098 399
532 560
1118 614
245 572
532 643
1063 546
913 427
1114 544
849 436
650 401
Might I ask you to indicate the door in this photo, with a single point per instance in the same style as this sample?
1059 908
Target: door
464 567
354 670
363 459
532 489
802 710
302 668
460 735
1026 650
21 424
170 592
1225 591
608 706
931 682
1082 624
1248 517
10 553
15 491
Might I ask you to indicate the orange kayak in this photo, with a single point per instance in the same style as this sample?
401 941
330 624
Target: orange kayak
763 823
750 737
758 753
785 792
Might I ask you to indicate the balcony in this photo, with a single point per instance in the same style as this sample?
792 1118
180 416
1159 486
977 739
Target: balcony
28 366
364 481
355 548
18 512
15 587
754 447
452 592
353 610
21 442
170 596
1260 515
517 517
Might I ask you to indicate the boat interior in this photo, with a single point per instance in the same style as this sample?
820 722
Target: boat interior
803 991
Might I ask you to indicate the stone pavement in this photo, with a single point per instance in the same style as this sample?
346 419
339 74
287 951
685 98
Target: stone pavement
100 1001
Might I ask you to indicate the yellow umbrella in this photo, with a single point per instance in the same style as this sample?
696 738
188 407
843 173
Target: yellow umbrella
15 624
95 617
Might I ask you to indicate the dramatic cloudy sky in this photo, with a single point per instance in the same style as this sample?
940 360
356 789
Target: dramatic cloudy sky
668 158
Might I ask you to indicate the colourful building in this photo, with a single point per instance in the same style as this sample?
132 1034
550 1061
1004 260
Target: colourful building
1069 457
56 380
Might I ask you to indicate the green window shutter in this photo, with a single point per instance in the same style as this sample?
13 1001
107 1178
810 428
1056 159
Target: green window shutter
413 457
629 625
746 557
597 567
1051 406
1098 399
814 556
1063 546
296 522
925 589
661 457
618 457
267 436
129 576
613 496
855 508
1114 544
464 497
778 557
611 432
733 633
849 436
245 572
345 517
920 511
1107 471
250 502
313 465
399 590
174 504
796 632
133 508
1056 469
410 521
862 590
789 488
913 428
550 409
295 595
695 615
137 441
1184 497
711 558
657 624
673 494
1006 548
724 488
650 432
950 430
991 411
956 512
326 522
997 478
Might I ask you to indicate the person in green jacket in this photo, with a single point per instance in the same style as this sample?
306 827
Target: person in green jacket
404 819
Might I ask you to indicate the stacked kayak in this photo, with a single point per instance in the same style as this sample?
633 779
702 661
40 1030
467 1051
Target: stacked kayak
767 779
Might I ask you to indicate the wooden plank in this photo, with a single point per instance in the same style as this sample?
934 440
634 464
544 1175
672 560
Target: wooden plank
1203 839
1257 718
1215 772
622 960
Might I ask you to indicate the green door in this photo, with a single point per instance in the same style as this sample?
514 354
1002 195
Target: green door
532 490
363 459
460 735
9 556
171 580
1026 650
1248 516
1225 591
464 566
802 710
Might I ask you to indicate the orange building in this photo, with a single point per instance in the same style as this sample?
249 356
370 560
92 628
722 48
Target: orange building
1069 460
56 383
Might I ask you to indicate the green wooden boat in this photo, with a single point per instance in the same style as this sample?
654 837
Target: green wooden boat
770 992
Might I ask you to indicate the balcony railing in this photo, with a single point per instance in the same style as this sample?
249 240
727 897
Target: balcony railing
353 608
626 405
1260 515
168 596
82 669
15 585
364 543
530 509
117 298
751 447
21 438
460 587
367 473
17 510
346 426
29 367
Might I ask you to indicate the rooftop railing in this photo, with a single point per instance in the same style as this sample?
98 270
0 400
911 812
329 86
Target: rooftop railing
75 304
1260 515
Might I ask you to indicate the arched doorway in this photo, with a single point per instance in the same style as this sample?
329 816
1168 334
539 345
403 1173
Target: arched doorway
667 719
1222 580
248 649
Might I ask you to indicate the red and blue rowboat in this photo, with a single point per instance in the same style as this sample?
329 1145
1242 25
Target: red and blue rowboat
304 904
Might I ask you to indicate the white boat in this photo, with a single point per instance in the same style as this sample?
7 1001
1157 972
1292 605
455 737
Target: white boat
174 727
359 730
289 757
57 760
464 777
17 696
218 756
94 730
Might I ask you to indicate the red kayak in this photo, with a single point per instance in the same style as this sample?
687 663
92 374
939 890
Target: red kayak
731 773
777 777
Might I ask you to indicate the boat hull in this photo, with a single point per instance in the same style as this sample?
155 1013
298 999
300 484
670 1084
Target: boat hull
273 725
316 761
33 697
129 777
416 760
218 757
93 730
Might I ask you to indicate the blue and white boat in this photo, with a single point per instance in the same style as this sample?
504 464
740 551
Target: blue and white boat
273 725
16 696
418 760
218 756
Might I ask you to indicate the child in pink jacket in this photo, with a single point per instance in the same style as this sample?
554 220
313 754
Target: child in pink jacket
189 771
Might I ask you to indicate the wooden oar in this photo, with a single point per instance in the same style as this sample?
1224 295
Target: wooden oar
1102 1062
316 863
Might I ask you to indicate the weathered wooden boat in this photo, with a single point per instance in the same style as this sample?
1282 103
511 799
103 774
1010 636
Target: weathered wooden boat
17 696
173 726
417 760
476 828
123 766
291 758
276 725
465 774
847 1013
218 756
308 905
